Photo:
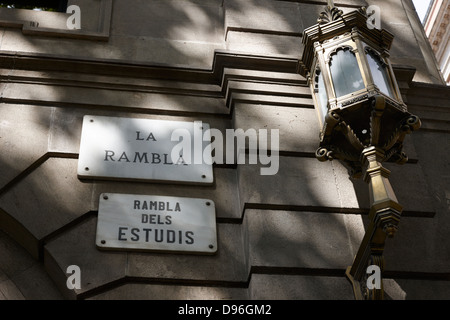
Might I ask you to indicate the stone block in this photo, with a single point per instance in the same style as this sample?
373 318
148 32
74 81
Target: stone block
263 27
3 276
405 43
408 182
409 149
194 21
286 89
174 53
16 260
411 188
53 191
259 77
23 138
35 284
429 101
299 287
272 95
46 19
22 277
298 127
65 131
91 13
14 40
435 166
264 44
422 245
422 73
263 15
9 291
302 240
19 233
77 247
120 48
300 182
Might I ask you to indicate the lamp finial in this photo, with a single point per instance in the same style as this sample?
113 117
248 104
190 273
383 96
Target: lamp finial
330 14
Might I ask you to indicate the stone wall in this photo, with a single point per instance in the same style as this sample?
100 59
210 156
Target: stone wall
232 64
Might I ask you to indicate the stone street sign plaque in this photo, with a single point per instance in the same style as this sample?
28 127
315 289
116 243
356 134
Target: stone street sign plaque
156 223
141 149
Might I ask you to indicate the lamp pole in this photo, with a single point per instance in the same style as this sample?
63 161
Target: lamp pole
384 217
385 211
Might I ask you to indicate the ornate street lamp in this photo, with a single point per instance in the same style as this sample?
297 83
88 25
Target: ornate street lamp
363 120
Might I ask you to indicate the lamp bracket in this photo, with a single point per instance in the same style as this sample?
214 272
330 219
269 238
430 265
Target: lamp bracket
341 137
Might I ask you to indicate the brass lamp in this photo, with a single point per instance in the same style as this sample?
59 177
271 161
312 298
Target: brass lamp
363 119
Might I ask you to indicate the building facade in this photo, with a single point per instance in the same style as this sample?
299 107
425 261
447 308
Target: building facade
436 25
231 64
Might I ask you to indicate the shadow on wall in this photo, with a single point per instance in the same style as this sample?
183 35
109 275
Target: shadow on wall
39 140
21 276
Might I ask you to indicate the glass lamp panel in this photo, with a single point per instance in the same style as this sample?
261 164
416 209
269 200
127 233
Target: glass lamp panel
379 74
321 94
345 72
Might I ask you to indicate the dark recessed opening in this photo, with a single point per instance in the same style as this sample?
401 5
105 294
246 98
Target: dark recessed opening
45 5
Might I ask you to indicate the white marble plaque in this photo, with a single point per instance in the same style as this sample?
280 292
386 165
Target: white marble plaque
156 223
141 149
